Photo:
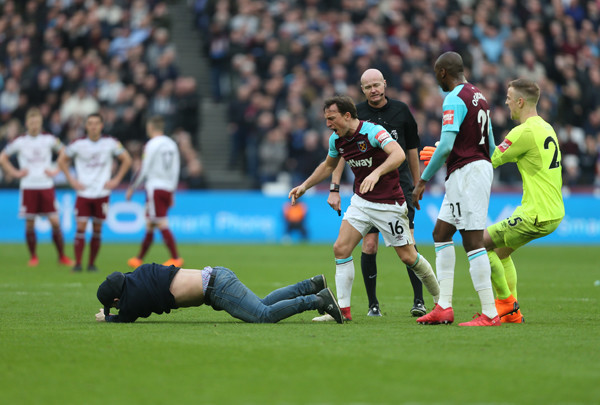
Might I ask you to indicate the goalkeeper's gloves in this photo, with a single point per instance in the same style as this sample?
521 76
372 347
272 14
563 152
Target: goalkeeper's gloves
426 153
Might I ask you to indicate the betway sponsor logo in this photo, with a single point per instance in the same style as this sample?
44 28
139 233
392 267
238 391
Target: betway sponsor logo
360 162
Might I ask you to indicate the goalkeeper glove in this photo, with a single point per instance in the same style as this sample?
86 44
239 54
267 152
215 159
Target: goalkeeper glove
426 154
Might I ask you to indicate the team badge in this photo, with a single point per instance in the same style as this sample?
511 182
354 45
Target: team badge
448 117
504 145
382 136
362 146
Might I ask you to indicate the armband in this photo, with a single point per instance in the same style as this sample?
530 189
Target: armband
334 188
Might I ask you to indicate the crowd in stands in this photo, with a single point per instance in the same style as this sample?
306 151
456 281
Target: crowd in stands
71 58
275 61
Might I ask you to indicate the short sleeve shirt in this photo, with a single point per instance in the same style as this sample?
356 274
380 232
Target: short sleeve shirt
363 151
34 153
93 163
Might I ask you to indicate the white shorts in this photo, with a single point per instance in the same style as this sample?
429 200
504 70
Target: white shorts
390 219
467 196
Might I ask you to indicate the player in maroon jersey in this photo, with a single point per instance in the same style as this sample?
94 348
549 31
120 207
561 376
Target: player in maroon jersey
464 146
374 157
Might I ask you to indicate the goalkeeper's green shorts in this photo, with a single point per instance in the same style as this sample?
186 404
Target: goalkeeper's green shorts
520 229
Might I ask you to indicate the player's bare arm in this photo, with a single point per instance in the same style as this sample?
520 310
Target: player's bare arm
10 169
334 200
437 160
412 156
395 158
322 171
418 193
125 164
63 163
51 172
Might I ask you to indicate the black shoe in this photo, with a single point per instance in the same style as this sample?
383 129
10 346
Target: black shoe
76 268
319 283
330 305
374 310
418 308
92 268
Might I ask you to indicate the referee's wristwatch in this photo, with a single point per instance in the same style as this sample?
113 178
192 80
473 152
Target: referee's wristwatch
334 188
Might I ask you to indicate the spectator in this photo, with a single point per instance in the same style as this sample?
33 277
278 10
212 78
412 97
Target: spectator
297 53
239 125
160 16
588 162
127 127
165 68
159 45
272 154
109 89
138 14
218 52
80 104
109 13
192 171
310 158
186 111
9 98
164 104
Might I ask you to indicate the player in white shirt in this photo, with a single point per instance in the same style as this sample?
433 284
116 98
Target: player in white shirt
34 154
160 171
93 157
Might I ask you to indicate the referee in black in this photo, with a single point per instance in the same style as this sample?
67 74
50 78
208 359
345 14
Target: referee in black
396 118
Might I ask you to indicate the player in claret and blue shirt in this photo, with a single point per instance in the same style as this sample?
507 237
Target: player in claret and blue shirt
465 145
374 157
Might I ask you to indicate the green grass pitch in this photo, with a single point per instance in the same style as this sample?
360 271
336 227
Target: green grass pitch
53 352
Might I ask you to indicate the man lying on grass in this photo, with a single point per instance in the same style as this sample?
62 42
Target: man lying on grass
157 288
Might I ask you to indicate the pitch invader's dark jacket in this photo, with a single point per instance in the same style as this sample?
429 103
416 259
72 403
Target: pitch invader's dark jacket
146 291
397 119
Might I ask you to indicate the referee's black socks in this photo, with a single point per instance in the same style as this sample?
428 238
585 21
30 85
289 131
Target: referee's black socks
368 265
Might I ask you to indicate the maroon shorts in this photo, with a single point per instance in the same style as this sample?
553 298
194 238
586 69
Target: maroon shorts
91 207
37 202
158 203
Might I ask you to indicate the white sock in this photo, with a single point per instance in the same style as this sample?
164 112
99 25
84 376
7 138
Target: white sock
445 258
481 275
344 277
423 270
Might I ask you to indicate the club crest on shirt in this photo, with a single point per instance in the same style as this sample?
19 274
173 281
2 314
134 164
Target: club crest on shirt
362 146
504 145
448 117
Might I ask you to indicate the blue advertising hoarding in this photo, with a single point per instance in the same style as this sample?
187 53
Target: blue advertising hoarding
252 217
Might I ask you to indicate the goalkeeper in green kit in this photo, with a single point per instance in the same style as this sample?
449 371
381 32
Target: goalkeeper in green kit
533 145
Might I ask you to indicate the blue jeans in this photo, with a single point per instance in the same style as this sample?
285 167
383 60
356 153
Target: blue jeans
230 295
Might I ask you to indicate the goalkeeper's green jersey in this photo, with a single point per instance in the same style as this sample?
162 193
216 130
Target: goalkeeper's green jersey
533 145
